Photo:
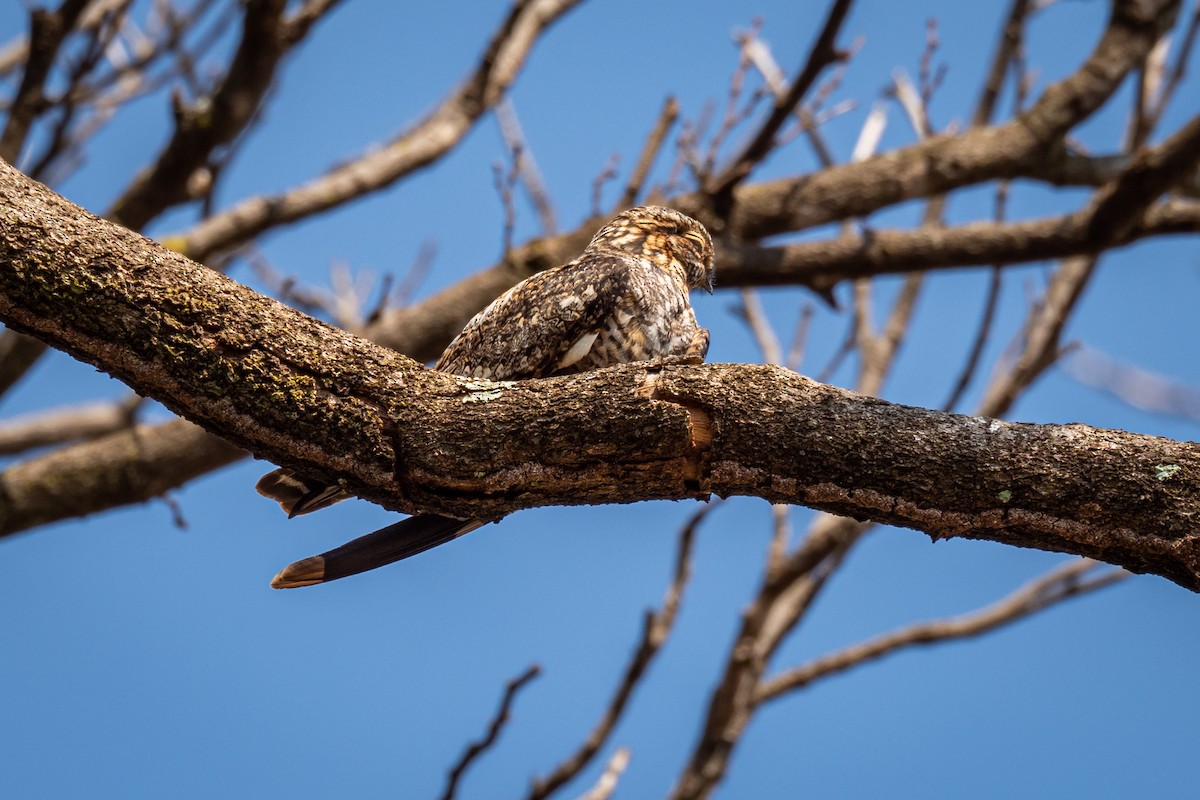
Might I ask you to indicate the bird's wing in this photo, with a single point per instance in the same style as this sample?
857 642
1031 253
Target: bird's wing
543 325
385 546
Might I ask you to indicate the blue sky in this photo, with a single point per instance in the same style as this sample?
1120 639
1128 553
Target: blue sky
139 660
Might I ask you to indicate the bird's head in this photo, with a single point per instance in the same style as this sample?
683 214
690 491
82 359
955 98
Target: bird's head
667 238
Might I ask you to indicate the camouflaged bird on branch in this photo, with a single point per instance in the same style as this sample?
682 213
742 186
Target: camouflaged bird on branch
624 299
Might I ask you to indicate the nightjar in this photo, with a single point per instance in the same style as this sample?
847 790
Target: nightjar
624 299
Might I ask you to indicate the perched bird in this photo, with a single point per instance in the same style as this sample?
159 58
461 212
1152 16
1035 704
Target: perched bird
624 299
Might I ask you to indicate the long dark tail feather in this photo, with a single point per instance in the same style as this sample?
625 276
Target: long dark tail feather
385 546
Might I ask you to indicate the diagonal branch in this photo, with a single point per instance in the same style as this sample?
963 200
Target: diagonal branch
821 55
656 628
498 722
430 139
212 122
47 31
1060 584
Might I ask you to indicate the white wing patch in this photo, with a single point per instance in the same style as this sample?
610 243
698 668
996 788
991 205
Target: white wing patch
582 346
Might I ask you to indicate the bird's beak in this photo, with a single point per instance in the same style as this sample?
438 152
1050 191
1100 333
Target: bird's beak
708 283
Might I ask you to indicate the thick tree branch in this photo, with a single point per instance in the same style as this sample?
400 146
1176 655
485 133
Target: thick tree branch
296 391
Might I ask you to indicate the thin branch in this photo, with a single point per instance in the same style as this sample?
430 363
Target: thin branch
504 182
297 25
1134 385
982 334
531 176
18 353
735 112
66 425
420 268
650 151
1006 50
751 312
421 145
47 31
655 629
1060 584
606 174
821 55
1176 74
795 357
16 52
607 783
478 748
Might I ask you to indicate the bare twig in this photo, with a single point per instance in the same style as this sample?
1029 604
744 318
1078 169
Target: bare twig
751 312
18 353
735 111
1060 584
296 26
312 301
982 333
650 150
822 54
1176 75
478 748
655 629
795 357
929 78
16 52
607 783
178 519
531 176
504 182
1006 50
781 533
606 174
416 274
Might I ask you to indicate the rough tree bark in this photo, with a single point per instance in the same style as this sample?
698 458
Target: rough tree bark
292 389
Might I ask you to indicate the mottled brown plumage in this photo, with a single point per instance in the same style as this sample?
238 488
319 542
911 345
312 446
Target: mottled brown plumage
624 299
